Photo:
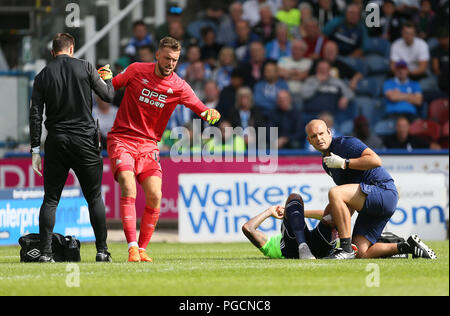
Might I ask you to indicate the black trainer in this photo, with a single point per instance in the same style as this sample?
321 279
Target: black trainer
419 249
341 254
46 259
103 256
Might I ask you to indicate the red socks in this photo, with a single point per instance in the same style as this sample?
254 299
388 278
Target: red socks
128 215
148 223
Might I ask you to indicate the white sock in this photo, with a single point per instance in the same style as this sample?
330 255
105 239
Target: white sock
131 244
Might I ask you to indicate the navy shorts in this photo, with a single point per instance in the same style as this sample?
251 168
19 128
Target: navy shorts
319 240
380 205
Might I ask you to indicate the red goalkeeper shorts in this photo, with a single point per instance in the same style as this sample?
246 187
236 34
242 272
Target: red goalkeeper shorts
134 154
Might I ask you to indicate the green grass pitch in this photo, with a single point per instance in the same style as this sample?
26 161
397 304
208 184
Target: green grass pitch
222 269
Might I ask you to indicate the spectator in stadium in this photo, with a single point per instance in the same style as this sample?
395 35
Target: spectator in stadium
244 114
403 96
212 93
193 55
289 14
254 68
211 96
105 113
325 11
225 65
226 34
402 139
177 31
196 78
361 130
244 38
339 69
213 16
413 50
407 8
442 12
227 98
252 9
390 23
348 32
281 45
174 14
314 38
266 90
265 28
322 92
141 37
425 20
209 48
295 69
145 54
439 58
306 13
288 120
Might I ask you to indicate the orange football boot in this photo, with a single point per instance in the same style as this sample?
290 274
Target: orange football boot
144 256
133 254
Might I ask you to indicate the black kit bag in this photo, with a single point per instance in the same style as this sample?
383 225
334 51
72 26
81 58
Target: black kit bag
391 238
63 248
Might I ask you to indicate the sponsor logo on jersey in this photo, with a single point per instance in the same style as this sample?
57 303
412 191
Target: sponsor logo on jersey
153 98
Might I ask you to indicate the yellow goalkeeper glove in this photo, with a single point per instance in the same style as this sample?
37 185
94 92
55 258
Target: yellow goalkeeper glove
105 73
211 116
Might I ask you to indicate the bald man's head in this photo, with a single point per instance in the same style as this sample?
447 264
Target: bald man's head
319 135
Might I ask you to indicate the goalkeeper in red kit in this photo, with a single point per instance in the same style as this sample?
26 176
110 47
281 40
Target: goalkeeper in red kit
153 90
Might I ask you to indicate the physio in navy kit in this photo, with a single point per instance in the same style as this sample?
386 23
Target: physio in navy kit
363 185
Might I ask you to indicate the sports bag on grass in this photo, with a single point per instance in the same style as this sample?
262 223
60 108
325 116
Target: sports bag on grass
391 238
64 249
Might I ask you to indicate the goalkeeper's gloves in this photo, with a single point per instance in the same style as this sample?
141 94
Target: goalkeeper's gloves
211 116
334 161
36 163
105 73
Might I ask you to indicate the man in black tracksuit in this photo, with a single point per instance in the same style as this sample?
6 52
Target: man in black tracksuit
65 88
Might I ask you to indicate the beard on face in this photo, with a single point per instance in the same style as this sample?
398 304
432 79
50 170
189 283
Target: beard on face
165 72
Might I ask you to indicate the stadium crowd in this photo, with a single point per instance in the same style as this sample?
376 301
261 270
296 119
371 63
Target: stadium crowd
280 63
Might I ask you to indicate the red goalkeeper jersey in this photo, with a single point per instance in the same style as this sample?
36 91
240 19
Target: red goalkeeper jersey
150 100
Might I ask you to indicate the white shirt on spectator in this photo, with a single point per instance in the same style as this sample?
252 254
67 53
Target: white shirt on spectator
413 54
251 10
304 64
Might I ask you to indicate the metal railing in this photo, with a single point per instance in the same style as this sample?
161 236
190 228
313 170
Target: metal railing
112 28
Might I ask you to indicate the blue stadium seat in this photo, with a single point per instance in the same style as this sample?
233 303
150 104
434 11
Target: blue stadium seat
378 46
346 128
429 84
377 65
357 64
371 108
385 127
369 87
432 43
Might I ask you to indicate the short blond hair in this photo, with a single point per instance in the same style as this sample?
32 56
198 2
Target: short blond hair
169 42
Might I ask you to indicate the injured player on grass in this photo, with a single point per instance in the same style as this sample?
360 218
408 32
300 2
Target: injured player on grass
297 241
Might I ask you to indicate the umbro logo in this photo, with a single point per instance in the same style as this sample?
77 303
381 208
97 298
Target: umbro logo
34 253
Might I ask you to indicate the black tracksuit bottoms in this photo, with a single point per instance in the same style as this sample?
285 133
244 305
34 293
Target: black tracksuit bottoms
79 153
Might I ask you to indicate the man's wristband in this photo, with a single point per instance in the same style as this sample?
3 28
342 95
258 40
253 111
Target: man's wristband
35 150
347 163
